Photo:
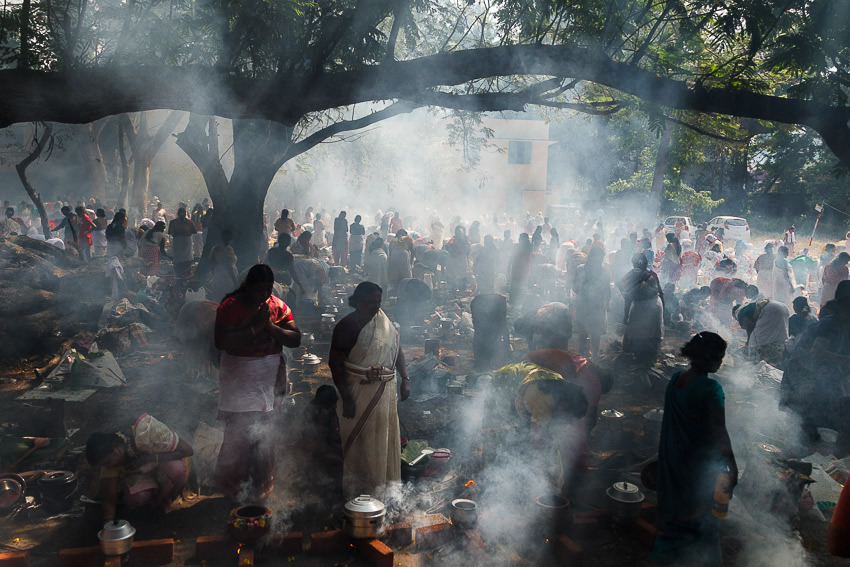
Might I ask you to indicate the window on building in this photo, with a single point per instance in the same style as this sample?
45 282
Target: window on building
519 152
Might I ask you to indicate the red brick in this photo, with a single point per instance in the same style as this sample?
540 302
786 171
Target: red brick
583 527
15 559
428 537
215 547
288 543
475 547
153 551
649 511
398 535
377 553
568 552
80 556
334 541
645 532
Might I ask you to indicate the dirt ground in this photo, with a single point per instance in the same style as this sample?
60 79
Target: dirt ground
158 383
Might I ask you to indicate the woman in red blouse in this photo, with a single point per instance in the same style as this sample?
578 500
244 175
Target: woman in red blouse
251 328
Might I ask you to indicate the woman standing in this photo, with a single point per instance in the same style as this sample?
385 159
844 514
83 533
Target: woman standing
355 244
833 274
377 264
593 293
340 240
783 278
116 233
251 328
98 233
223 263
365 358
694 452
764 271
644 309
671 261
485 266
401 253
457 264
151 247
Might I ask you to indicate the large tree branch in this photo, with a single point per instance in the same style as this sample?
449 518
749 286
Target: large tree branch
345 126
83 96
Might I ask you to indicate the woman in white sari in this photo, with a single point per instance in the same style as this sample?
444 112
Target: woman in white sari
364 359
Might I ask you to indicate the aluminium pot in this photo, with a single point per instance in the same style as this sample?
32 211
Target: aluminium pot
364 517
624 500
116 538
12 489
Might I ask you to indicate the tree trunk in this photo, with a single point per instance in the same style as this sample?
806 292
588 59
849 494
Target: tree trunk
662 165
123 194
259 148
88 138
145 147
21 168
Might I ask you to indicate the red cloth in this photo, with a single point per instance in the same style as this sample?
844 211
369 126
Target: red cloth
841 516
233 313
85 227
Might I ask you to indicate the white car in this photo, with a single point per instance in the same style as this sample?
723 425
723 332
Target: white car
670 225
734 228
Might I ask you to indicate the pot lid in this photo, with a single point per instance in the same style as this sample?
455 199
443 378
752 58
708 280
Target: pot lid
612 414
625 492
364 505
116 531
57 478
656 414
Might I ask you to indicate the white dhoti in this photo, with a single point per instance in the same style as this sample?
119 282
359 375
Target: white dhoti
371 440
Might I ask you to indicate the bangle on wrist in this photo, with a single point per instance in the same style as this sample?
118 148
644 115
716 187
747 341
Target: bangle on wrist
405 377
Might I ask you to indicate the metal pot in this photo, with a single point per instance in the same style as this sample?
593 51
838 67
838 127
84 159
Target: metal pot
611 427
57 490
116 538
652 424
552 512
624 500
464 513
12 489
310 363
364 517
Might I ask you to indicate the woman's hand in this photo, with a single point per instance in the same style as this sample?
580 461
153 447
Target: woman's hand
348 407
405 388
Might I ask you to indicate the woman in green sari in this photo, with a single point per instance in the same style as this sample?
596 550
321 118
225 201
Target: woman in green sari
694 450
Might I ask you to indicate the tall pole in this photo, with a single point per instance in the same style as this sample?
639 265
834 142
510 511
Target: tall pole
819 209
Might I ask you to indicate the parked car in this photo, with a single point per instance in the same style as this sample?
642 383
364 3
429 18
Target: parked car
734 228
688 224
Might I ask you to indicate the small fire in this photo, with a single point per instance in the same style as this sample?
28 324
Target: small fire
238 549
469 483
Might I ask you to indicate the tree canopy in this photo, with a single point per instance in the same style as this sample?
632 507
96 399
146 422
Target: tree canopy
79 60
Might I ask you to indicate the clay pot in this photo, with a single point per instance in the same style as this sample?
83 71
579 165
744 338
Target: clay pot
249 524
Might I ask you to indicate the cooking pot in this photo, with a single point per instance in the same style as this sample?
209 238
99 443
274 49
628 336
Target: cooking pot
364 517
57 490
311 363
624 500
12 489
249 524
464 513
552 512
652 424
611 427
116 537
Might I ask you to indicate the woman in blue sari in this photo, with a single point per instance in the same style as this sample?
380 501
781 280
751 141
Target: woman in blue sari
694 449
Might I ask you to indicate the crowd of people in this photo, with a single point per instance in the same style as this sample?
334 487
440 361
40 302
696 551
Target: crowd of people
594 281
